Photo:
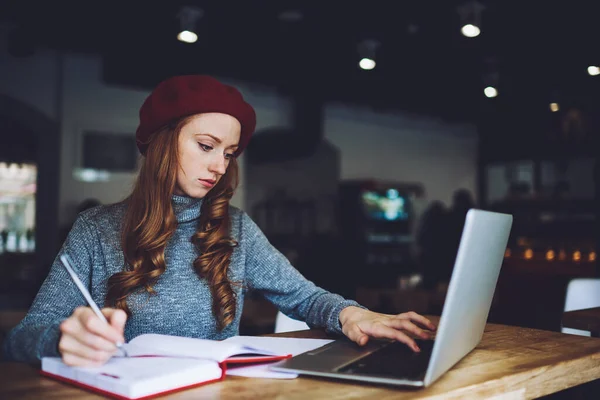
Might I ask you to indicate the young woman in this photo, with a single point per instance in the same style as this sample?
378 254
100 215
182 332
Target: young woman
174 257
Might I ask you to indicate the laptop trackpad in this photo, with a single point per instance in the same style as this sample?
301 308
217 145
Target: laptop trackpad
333 355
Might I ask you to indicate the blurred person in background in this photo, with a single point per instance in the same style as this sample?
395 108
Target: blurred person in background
434 245
462 202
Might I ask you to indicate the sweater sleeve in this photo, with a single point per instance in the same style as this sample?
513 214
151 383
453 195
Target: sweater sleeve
269 272
37 335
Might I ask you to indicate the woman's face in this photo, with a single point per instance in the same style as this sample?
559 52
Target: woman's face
206 144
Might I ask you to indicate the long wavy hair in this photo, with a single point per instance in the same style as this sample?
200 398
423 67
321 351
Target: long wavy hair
150 222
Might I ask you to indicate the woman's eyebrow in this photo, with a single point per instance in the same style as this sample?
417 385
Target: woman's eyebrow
212 136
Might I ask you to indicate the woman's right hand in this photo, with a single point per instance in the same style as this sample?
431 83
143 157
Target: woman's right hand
86 340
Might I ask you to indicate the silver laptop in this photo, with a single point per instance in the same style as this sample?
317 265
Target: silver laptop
466 308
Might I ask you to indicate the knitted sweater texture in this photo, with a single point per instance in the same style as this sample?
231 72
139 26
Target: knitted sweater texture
182 302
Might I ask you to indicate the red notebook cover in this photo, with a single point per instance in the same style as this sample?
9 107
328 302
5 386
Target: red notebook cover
222 365
117 396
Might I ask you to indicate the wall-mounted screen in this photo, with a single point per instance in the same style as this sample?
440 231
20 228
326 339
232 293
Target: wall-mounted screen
385 205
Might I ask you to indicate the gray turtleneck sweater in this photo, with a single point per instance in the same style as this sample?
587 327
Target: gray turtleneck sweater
182 303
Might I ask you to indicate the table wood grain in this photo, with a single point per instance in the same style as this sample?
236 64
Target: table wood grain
586 320
509 363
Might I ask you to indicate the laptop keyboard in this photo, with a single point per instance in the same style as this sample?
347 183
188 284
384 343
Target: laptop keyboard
395 360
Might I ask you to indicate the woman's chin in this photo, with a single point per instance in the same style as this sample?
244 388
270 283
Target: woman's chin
196 193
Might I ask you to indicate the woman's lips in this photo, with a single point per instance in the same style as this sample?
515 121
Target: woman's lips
207 183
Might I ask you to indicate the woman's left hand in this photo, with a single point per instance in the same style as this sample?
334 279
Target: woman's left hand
359 324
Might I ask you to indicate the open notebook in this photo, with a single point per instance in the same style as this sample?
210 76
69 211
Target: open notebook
159 364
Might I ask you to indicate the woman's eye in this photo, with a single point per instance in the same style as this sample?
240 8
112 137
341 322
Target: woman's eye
205 147
228 156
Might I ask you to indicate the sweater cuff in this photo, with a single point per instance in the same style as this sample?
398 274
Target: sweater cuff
335 326
48 346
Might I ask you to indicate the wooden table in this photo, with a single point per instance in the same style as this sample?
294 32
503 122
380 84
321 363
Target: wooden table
509 363
585 320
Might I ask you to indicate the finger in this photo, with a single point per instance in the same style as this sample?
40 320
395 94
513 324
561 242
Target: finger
76 361
69 345
95 325
356 335
72 327
408 326
362 339
380 330
413 316
116 317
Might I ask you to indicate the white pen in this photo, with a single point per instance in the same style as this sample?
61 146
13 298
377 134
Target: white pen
65 261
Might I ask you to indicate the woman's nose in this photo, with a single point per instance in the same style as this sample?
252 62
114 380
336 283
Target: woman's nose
219 165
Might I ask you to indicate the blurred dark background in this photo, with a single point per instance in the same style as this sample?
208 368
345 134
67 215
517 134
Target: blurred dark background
362 177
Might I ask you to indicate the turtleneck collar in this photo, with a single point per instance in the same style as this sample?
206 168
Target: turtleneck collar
186 208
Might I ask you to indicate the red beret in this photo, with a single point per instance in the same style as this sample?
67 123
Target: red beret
181 96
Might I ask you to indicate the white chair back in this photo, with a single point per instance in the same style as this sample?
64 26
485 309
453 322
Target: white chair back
283 323
581 293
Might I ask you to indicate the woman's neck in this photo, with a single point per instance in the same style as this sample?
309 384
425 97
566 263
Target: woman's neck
186 208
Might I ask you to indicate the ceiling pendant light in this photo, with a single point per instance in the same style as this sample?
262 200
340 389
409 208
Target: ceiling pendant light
366 52
470 17
188 18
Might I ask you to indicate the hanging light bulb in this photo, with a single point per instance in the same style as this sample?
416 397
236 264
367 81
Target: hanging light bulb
470 16
188 18
490 91
187 36
366 51
491 77
593 70
367 64
470 30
